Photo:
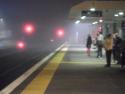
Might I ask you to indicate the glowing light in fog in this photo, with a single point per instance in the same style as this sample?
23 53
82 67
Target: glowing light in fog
95 22
100 21
83 17
60 33
92 9
121 13
116 15
77 22
29 28
21 45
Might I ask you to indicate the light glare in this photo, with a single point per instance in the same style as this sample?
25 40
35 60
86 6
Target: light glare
28 28
95 22
77 22
20 45
121 13
116 15
60 33
83 17
92 9
100 21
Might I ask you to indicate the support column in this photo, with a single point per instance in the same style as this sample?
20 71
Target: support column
123 29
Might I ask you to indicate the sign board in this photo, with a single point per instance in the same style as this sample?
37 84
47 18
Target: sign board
88 13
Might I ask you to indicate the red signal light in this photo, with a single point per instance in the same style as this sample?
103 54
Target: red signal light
60 33
20 45
29 28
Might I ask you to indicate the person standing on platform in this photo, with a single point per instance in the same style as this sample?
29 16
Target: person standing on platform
88 44
108 45
99 43
117 41
122 57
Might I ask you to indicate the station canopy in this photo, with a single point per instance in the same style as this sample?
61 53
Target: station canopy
108 11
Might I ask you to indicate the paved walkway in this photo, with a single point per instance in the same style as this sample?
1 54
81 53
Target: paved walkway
73 72
80 74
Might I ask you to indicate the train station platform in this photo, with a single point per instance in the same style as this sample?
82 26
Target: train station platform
71 71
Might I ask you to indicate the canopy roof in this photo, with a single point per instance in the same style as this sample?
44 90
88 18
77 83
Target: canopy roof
75 11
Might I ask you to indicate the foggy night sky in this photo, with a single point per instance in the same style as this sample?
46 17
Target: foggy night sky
46 14
40 11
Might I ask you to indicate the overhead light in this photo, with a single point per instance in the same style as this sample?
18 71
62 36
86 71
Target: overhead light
100 21
83 17
121 13
95 22
92 9
77 22
116 15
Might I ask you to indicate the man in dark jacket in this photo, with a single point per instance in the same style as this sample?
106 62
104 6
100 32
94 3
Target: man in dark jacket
117 41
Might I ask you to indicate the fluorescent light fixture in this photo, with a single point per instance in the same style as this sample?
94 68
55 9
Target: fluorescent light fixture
100 21
116 15
92 9
83 17
77 22
95 22
121 13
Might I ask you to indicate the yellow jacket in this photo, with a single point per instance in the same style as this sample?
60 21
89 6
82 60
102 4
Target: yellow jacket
108 43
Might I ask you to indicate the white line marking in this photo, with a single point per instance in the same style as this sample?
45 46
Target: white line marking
8 89
65 49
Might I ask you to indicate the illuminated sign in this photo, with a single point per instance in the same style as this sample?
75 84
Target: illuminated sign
88 13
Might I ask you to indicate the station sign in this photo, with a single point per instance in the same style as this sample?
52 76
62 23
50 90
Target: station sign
88 13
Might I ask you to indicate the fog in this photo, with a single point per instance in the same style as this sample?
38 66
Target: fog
78 32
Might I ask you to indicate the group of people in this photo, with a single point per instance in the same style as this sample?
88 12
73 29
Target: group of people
99 44
112 44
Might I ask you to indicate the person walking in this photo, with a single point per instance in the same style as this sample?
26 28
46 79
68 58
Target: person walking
88 44
108 45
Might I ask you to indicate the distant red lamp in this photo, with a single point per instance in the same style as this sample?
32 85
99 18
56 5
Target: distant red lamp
60 33
20 45
29 28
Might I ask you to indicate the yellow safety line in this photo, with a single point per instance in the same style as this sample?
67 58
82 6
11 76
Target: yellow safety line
41 82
